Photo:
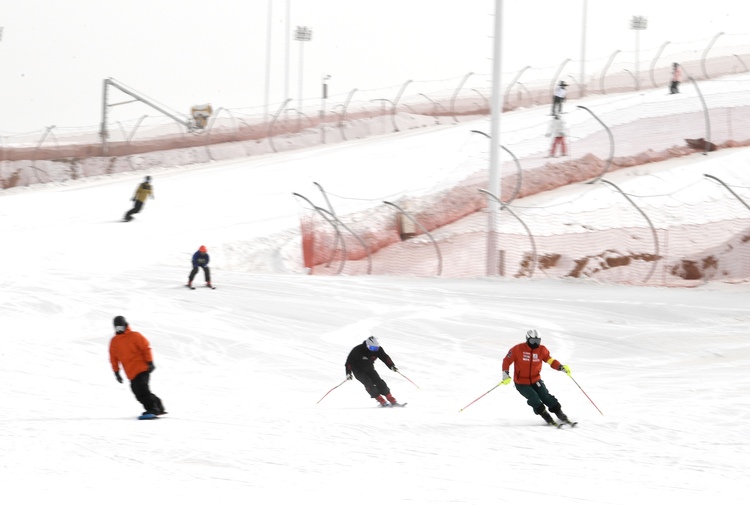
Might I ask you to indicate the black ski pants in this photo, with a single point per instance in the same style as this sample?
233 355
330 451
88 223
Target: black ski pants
206 274
537 396
135 210
139 386
372 381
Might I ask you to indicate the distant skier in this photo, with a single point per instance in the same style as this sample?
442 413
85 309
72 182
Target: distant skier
200 260
361 364
559 96
527 359
143 191
674 86
557 130
133 351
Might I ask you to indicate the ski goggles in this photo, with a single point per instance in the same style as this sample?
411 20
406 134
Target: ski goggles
120 329
534 340
373 348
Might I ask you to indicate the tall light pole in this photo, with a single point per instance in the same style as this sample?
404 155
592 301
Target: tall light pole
268 57
288 38
583 48
494 185
638 23
323 109
302 34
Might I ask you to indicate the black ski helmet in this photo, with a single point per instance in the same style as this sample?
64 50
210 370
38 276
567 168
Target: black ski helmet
533 339
120 324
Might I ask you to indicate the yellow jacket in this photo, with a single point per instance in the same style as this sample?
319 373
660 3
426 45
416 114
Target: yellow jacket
144 191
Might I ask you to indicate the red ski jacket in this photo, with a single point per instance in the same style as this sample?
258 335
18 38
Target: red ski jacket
527 362
132 350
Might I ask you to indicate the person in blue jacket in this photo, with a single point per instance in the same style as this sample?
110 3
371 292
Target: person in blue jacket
200 260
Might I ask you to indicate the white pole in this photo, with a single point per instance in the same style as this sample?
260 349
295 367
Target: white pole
495 186
637 44
583 49
268 59
299 99
286 49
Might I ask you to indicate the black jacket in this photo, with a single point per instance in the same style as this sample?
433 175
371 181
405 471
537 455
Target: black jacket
364 359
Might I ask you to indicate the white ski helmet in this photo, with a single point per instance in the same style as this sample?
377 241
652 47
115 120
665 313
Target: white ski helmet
372 343
533 339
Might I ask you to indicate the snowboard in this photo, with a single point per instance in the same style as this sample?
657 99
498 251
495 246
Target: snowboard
193 287
143 417
394 405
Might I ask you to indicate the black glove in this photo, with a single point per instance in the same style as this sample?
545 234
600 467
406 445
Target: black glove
151 366
117 376
394 368
348 376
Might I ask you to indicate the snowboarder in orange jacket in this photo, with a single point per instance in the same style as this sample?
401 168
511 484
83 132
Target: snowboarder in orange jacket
133 351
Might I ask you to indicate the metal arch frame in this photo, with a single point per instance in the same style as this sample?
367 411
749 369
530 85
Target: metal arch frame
741 61
333 213
359 239
635 79
130 137
435 107
604 72
519 180
513 83
208 131
557 76
705 113
486 102
323 213
455 95
657 251
653 63
611 144
705 53
738 197
47 131
437 248
395 104
273 122
344 109
503 206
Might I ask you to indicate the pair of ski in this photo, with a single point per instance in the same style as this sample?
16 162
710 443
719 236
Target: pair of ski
387 405
559 425
193 287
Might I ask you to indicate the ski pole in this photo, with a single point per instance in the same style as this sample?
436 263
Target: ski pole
407 378
480 397
587 396
334 387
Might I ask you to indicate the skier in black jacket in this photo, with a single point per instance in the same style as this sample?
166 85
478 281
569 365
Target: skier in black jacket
361 364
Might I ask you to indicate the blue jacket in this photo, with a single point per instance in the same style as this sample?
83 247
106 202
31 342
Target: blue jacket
200 259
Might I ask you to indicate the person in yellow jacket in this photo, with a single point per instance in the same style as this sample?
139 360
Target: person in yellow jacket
143 191
133 351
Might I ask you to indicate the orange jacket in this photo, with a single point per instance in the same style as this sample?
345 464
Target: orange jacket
527 362
132 350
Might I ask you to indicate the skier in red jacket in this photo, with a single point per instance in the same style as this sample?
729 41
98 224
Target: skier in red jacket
527 359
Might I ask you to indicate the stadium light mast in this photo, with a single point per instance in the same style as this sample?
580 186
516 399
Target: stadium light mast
583 48
302 34
495 188
637 24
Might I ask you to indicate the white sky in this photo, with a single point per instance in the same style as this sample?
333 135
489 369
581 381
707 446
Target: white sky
240 369
55 55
